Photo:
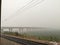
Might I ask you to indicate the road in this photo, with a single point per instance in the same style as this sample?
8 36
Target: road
22 41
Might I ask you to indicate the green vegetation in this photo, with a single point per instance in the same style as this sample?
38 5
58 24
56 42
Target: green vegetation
37 36
49 38
11 33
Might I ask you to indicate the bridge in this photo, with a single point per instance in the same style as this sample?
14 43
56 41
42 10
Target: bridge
20 29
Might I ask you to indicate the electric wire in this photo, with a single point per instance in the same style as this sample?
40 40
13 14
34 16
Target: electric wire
31 4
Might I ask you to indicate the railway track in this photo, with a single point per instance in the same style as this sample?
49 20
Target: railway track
22 41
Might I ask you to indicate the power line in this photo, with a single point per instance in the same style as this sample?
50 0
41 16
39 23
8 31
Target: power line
31 4
17 11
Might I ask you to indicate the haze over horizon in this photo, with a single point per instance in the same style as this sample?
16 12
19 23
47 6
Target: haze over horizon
45 14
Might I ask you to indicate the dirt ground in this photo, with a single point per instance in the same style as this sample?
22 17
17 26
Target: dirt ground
7 42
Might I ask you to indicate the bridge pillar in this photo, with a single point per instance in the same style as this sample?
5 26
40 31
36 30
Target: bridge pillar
10 29
20 30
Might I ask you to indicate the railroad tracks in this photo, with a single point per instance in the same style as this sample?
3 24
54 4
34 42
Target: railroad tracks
22 41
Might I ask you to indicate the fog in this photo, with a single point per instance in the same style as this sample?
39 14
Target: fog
43 14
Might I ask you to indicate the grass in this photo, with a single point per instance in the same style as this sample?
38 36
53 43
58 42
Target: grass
39 37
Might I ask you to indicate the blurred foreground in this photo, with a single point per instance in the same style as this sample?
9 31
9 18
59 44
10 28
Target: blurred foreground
7 42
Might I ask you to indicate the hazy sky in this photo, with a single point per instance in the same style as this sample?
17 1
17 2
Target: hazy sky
45 14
